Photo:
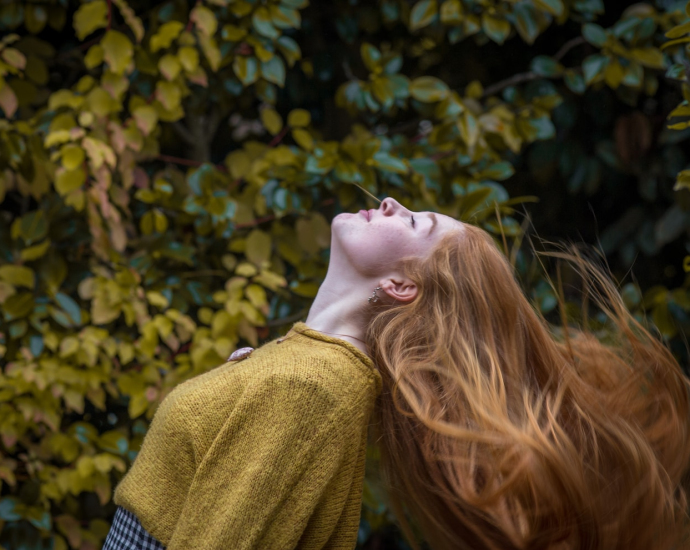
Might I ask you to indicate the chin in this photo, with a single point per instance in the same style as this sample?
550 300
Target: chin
341 218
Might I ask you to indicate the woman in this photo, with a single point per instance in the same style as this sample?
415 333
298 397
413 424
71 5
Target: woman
495 434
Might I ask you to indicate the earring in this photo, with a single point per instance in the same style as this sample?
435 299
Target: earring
374 297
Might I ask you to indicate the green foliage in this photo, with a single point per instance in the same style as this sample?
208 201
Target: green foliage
168 173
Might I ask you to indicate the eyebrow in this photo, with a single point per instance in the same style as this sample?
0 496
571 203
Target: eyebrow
433 223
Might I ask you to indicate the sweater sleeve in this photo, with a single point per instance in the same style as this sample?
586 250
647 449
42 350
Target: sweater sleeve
167 456
287 450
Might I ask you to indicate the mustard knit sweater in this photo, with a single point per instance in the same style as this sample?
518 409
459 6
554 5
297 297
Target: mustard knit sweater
264 452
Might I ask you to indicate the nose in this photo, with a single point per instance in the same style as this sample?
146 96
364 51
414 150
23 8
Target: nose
390 206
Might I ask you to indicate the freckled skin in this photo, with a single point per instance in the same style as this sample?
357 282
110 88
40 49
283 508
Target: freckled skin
374 247
365 254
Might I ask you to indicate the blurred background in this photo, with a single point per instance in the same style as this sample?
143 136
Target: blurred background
169 171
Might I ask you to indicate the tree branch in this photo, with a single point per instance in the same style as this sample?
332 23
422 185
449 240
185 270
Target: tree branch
187 162
569 45
526 77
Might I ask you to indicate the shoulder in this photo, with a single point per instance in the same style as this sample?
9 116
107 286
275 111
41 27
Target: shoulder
323 372
294 369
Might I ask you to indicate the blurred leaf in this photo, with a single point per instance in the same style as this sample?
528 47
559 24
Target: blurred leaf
422 14
386 162
495 28
117 51
272 121
371 57
204 19
428 89
263 24
593 67
594 34
89 17
273 70
246 69
451 12
165 35
298 118
546 66
555 7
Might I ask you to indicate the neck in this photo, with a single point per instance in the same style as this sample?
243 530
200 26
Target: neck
341 310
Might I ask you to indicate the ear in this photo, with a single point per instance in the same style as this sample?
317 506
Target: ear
399 288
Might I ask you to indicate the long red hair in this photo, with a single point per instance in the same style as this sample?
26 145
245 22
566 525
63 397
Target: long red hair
500 431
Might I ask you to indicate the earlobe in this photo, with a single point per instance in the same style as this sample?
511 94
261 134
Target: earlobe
401 290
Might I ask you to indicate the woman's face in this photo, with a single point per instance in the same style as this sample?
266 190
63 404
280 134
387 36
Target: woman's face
375 241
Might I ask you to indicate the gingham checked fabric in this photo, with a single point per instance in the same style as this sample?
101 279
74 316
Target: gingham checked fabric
126 533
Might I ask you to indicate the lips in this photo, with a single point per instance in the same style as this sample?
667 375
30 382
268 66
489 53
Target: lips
365 214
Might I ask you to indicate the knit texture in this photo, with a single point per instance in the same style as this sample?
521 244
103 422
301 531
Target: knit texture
265 452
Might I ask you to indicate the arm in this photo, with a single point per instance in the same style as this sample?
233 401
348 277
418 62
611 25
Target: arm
167 455
289 446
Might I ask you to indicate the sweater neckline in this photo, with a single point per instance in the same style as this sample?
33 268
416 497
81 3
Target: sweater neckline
304 329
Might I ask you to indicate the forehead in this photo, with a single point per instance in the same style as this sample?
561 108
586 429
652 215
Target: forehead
445 222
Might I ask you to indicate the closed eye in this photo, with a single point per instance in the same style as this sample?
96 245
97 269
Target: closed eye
412 217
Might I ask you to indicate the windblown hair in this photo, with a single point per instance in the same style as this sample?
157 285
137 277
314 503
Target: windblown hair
499 431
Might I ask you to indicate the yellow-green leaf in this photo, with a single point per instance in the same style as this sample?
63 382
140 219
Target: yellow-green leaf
271 120
146 118
298 118
649 57
258 247
100 102
303 138
89 17
256 295
169 66
72 156
168 94
67 181
117 51
166 34
205 20
428 89
451 12
189 58
17 275
34 252
232 33
14 57
133 22
246 69
679 30
211 51
94 57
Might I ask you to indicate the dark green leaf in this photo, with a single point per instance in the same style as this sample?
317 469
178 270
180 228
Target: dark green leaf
33 226
8 506
594 34
428 89
423 13
593 67
70 306
273 70
544 65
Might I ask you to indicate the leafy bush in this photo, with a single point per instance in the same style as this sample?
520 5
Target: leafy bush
168 174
